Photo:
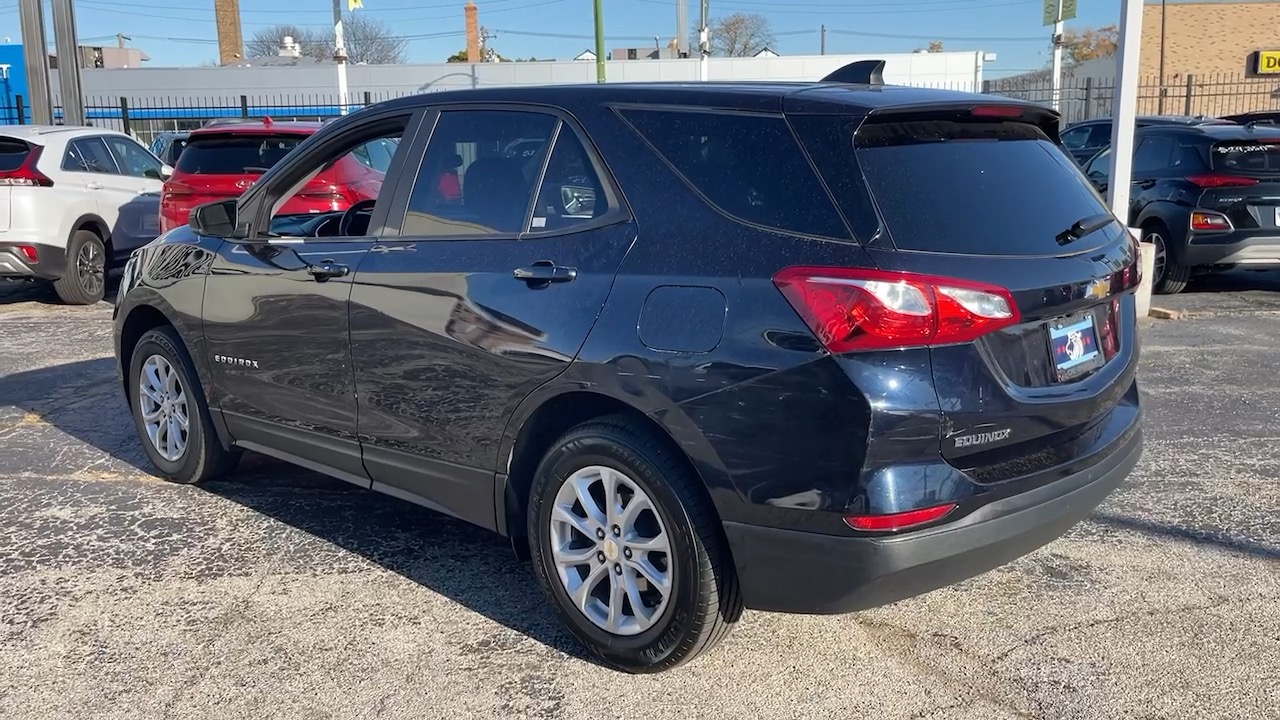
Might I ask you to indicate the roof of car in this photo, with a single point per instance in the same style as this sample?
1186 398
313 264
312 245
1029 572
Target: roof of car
259 127
728 95
39 133
1237 132
1189 120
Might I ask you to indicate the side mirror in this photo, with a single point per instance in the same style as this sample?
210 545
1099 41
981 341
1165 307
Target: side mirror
166 171
215 219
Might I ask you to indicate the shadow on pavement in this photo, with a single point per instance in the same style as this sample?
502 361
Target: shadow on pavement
1235 281
1184 534
13 292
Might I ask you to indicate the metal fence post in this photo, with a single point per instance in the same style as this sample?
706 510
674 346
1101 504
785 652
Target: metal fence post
1191 88
244 106
368 98
1088 98
124 115
22 109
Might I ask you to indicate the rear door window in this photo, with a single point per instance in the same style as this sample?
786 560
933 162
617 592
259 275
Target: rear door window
983 188
750 167
1154 154
235 154
1247 157
89 155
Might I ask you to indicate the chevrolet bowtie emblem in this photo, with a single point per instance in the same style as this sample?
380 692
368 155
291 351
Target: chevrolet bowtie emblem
1098 289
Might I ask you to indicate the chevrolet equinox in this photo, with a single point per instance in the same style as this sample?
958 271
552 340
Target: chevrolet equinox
694 348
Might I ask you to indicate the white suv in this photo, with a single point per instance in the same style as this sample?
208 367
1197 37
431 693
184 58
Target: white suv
73 202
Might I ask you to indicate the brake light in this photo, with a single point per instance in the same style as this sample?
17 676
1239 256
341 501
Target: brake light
29 252
999 111
1209 221
26 174
1110 334
899 521
850 310
1216 181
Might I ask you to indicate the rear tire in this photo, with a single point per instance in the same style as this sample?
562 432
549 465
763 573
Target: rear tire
701 601
1171 276
84 280
164 390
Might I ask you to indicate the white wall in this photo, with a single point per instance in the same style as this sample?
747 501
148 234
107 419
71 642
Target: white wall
318 84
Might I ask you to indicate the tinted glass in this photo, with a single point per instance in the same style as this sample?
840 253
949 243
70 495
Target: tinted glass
748 166
1247 157
12 154
1099 135
478 174
987 188
376 154
235 154
1153 154
571 192
88 155
1075 138
174 150
132 159
1099 168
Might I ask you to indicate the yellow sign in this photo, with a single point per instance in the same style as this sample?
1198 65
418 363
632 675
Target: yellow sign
353 5
1268 62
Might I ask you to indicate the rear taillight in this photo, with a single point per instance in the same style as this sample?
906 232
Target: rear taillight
26 174
1209 221
898 521
850 310
29 253
1215 181
1110 331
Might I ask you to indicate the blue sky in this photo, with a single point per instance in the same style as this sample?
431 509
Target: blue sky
181 32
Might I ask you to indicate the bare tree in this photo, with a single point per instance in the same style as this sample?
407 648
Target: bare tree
368 40
740 35
266 42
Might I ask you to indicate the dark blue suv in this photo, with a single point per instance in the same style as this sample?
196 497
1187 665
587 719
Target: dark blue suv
807 347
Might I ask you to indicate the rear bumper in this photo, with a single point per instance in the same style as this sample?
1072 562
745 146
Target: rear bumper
14 264
1243 247
791 571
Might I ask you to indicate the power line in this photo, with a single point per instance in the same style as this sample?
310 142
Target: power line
972 38
909 6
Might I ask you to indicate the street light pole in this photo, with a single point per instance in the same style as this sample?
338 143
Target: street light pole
600 71
1058 28
340 56
704 43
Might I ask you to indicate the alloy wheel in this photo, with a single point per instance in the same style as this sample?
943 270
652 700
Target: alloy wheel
1159 260
91 268
611 550
163 404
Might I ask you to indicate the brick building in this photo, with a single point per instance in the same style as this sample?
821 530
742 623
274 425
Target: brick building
1206 37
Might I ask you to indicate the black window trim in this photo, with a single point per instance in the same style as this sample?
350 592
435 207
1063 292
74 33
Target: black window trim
254 208
619 108
619 211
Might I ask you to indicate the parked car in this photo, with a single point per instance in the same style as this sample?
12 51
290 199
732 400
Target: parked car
713 346
222 160
1265 117
168 146
1085 139
74 201
1207 197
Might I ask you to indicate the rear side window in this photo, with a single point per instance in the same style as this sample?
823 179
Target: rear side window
985 188
748 166
1154 153
12 154
1247 157
235 154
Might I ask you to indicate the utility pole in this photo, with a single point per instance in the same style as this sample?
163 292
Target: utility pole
704 43
600 72
822 47
340 56
36 57
120 38
67 46
1057 60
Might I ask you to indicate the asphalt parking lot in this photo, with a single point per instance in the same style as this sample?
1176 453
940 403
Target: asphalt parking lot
280 593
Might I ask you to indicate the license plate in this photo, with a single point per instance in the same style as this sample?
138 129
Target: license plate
1073 342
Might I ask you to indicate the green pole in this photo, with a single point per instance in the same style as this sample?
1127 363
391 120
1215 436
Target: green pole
599 42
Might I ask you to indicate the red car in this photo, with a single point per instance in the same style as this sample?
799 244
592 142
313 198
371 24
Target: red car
222 161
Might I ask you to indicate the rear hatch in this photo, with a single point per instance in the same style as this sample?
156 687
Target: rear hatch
982 198
14 154
217 166
1244 182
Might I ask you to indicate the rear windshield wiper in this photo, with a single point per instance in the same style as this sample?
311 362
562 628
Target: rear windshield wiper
1087 226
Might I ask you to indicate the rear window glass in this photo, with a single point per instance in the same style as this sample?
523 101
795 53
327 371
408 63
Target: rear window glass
986 188
174 150
748 166
1247 157
12 154
235 154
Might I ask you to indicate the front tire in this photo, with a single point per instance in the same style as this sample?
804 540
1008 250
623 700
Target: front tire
170 411
629 550
1171 276
84 280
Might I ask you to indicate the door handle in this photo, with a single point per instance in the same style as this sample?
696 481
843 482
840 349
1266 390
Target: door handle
545 272
327 269
94 186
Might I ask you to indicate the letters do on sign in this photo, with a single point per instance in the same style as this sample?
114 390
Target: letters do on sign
1267 62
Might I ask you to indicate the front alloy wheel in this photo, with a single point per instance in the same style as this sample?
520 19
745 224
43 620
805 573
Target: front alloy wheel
611 550
163 404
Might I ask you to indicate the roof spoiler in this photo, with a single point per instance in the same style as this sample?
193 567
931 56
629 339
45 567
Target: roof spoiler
861 72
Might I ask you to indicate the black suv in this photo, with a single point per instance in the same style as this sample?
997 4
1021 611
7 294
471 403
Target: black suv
1206 196
1086 138
807 347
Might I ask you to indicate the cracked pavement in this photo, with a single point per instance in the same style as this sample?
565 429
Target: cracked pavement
281 593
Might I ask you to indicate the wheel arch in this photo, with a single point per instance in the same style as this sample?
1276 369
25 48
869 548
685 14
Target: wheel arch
545 416
96 225
1175 219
